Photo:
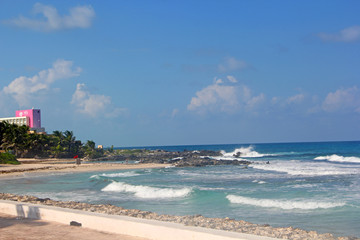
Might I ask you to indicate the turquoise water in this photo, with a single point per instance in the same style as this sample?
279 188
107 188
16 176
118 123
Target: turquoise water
314 186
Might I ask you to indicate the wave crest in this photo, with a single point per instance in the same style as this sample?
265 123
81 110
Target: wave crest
337 158
112 175
146 191
295 167
244 152
283 204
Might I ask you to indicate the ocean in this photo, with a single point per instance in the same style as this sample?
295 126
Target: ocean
313 186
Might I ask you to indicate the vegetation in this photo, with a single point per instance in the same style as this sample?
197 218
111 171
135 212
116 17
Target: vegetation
23 143
8 158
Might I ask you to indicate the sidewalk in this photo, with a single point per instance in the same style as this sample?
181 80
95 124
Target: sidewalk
21 229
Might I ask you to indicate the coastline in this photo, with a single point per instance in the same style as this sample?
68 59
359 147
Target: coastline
35 166
222 224
65 166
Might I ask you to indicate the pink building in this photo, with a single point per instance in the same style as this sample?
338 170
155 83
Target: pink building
33 115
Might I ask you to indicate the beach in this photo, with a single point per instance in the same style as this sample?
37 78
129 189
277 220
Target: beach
66 166
36 167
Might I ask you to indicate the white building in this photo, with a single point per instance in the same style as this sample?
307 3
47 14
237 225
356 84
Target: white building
16 120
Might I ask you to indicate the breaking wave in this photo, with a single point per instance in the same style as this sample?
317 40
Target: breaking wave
337 158
113 175
283 204
146 191
244 152
295 167
259 182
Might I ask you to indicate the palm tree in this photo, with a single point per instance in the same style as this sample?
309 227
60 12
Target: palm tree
14 137
90 144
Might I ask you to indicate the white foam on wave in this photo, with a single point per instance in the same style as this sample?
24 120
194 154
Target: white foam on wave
259 181
226 158
337 158
247 152
146 191
113 175
283 204
295 167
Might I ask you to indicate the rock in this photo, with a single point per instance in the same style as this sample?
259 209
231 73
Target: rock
74 223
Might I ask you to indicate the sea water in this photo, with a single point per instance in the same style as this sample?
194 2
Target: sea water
313 186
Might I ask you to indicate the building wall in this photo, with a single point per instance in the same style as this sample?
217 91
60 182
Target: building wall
34 117
16 120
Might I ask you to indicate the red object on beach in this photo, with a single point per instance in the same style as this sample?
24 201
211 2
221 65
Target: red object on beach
76 156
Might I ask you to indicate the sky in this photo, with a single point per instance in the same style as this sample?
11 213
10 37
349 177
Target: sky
150 73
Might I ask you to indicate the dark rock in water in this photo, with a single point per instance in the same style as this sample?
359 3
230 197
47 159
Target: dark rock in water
201 162
237 155
179 159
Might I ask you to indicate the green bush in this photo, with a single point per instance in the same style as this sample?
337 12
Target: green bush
8 158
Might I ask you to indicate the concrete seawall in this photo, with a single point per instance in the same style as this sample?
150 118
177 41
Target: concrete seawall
131 226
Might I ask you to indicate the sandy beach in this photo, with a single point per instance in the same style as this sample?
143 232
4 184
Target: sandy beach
13 228
67 165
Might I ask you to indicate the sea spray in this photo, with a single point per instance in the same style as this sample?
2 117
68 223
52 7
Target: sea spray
244 152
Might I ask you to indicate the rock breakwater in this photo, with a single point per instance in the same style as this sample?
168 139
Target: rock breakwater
178 159
193 220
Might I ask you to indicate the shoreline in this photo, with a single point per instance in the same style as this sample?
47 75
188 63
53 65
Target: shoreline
225 224
41 166
35 166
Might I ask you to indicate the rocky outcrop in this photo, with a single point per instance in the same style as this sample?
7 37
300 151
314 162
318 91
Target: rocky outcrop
205 161
179 159
193 220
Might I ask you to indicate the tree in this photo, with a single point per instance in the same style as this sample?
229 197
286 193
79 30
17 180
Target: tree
14 137
90 144
69 140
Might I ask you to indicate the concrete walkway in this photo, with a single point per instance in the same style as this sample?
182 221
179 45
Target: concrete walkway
30 229
114 224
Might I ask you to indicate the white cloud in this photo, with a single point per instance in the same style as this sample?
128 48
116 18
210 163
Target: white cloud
93 104
350 34
214 95
175 112
222 97
232 64
255 101
23 89
78 17
343 100
232 79
296 99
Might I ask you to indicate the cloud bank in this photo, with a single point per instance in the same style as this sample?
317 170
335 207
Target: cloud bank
23 89
230 97
78 17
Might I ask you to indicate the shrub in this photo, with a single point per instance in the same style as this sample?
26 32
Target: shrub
8 158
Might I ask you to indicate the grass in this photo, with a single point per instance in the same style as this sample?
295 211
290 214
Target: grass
8 158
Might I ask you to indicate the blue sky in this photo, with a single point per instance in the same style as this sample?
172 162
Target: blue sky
141 73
